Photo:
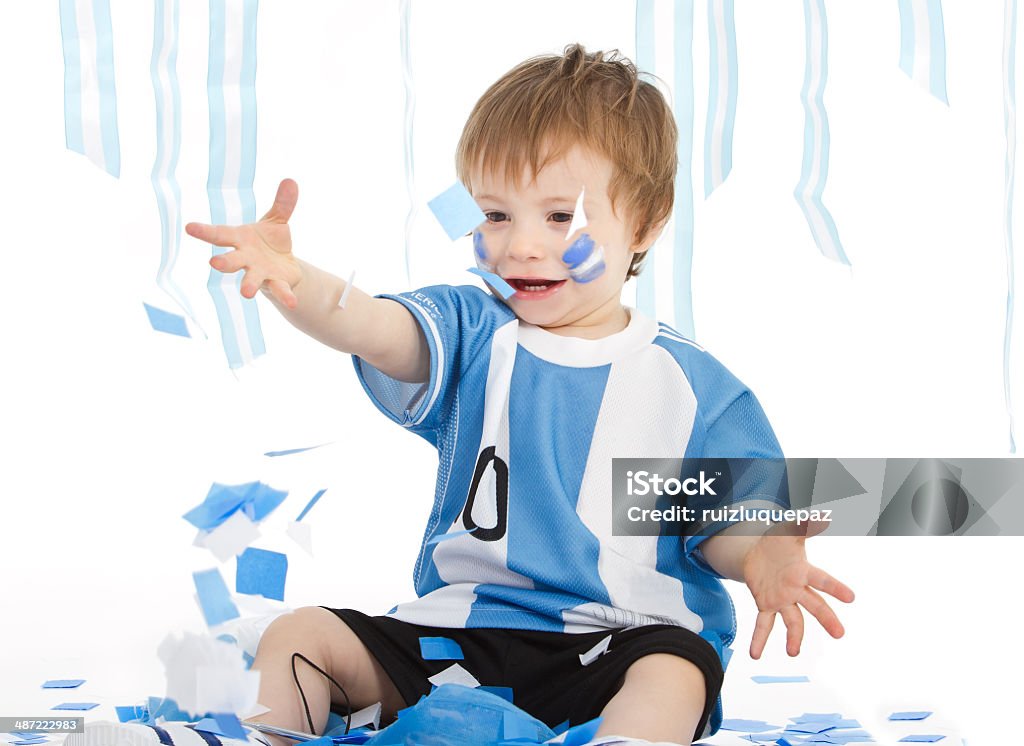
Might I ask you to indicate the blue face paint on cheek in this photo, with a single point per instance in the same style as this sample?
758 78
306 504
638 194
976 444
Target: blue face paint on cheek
584 259
580 250
480 252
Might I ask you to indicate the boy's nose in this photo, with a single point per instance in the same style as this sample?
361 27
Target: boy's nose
525 245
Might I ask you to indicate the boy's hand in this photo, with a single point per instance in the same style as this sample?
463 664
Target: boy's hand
781 580
263 249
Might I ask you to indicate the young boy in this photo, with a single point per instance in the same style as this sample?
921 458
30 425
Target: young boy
527 401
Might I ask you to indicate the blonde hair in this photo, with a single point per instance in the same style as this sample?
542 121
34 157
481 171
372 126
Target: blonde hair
544 106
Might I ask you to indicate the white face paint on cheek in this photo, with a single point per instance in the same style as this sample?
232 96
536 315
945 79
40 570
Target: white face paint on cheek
480 252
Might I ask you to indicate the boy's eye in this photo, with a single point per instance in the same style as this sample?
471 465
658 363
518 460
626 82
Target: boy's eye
561 217
496 217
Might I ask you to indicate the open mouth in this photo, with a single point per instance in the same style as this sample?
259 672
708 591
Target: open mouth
534 285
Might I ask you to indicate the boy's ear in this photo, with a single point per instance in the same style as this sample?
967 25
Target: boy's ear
649 237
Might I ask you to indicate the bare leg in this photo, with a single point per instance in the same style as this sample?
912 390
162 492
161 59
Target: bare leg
661 699
328 642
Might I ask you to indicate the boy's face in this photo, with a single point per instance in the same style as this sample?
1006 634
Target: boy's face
568 284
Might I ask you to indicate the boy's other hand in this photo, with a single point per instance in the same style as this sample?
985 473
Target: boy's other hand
262 249
781 580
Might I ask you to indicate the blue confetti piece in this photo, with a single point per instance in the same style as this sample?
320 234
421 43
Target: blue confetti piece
456 211
445 537
29 741
132 713
165 321
261 573
779 679
920 739
218 505
75 706
166 708
747 726
63 683
578 735
505 290
910 715
214 598
817 717
440 649
290 451
258 500
223 724
847 736
844 723
261 499
809 726
505 692
310 504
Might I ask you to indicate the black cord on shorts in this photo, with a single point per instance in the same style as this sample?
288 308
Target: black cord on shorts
305 704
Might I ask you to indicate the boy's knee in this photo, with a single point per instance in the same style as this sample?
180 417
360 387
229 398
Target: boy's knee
308 629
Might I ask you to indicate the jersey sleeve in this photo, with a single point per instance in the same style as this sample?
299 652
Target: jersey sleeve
739 429
455 322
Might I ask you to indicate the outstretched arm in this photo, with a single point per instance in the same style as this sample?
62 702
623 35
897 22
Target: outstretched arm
380 331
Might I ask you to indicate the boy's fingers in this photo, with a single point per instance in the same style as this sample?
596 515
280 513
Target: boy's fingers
818 578
228 262
762 628
822 612
251 283
794 628
282 292
218 235
284 202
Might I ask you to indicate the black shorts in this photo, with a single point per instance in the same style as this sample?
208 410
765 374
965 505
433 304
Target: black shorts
542 668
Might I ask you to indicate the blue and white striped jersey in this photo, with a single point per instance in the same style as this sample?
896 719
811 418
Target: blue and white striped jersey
526 424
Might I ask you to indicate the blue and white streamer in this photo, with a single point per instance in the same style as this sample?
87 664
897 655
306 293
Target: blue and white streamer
814 171
682 209
645 299
405 11
167 93
1010 123
90 99
923 45
722 87
231 93
682 258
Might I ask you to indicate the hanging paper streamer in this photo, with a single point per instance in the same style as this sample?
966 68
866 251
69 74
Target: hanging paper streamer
815 159
405 11
923 45
645 301
90 100
163 72
682 211
231 92
722 87
682 258
1010 123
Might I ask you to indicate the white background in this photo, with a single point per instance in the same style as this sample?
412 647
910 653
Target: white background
111 431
